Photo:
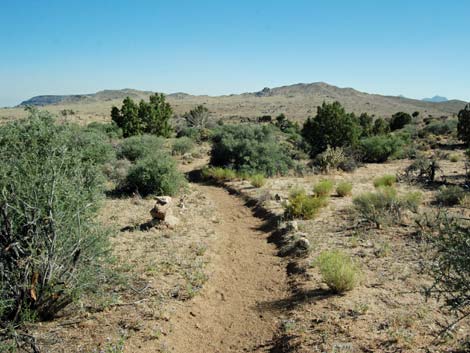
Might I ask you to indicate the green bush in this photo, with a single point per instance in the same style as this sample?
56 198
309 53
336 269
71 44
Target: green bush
441 127
344 189
258 180
338 271
52 249
109 129
94 144
156 175
182 145
449 195
138 147
323 188
399 120
302 206
117 171
219 174
385 180
332 127
378 149
385 207
250 148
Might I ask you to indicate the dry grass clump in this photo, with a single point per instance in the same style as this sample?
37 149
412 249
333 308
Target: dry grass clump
450 195
385 180
257 180
323 188
344 189
302 206
338 271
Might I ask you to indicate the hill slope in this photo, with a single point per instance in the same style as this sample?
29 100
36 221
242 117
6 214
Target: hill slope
297 101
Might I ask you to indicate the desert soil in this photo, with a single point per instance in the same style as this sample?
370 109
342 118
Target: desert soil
229 314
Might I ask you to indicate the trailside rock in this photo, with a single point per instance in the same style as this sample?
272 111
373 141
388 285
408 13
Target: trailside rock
161 208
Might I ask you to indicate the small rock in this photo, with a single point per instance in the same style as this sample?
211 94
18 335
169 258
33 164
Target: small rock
303 243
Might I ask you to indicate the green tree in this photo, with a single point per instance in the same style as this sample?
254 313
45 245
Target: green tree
415 114
463 127
116 116
331 127
399 120
381 127
131 125
157 121
366 121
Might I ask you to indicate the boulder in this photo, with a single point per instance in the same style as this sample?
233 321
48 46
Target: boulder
161 208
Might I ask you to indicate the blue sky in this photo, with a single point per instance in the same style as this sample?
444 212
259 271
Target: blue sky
415 48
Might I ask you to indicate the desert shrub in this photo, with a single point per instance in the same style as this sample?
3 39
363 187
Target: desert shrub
440 127
449 195
385 207
323 188
300 205
378 149
423 169
450 263
332 126
138 147
109 129
338 271
454 158
330 159
257 180
94 144
385 180
344 189
220 174
463 126
198 117
399 120
156 175
250 148
52 248
117 171
182 145
196 134
381 127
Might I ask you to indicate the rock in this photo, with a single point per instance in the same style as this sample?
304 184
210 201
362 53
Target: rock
292 226
303 243
171 221
161 208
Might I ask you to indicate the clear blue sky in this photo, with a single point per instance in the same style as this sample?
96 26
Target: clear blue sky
415 48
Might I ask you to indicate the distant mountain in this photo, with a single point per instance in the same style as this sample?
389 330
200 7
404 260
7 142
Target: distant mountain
435 99
297 101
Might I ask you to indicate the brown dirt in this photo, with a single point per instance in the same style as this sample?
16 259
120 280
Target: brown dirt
244 273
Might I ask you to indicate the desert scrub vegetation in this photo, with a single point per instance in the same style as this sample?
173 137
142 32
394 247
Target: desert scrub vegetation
423 169
344 189
52 248
138 147
338 270
302 206
330 159
323 188
155 175
109 129
251 149
385 180
449 195
454 158
219 174
385 207
182 145
257 180
378 149
449 262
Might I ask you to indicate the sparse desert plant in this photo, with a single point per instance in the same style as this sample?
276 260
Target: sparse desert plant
330 159
423 169
338 270
454 158
156 175
250 148
138 147
52 248
198 117
344 189
385 180
323 188
302 206
257 180
385 207
450 195
182 145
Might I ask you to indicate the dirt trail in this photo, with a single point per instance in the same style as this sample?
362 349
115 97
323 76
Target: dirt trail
244 275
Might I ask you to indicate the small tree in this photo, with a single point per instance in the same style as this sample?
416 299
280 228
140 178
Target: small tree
366 122
331 127
157 120
463 127
415 114
399 120
381 127
197 117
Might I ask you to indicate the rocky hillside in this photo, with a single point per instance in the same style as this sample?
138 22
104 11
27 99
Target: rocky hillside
296 101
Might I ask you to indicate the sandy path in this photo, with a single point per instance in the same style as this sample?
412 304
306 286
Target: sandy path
244 274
